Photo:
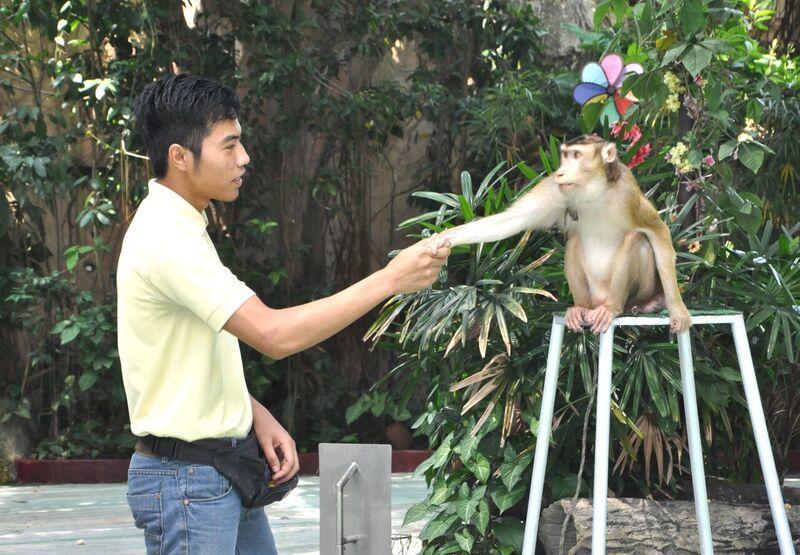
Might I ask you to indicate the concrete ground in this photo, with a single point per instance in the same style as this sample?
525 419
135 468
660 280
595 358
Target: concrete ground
94 518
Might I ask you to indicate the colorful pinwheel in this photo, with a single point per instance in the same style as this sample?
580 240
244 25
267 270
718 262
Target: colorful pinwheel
603 81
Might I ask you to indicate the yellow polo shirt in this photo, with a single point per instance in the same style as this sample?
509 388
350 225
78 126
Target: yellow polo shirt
183 374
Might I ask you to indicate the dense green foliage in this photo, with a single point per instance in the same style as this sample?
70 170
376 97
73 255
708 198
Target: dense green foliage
477 343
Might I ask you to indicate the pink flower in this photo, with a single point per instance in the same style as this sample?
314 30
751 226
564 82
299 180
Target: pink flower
708 160
699 81
641 154
617 127
633 134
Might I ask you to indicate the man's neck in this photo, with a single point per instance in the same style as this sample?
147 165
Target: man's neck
182 188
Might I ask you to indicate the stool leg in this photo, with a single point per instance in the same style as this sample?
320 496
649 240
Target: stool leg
599 500
762 436
695 447
543 438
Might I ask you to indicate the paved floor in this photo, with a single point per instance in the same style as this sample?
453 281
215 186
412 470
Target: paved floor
94 518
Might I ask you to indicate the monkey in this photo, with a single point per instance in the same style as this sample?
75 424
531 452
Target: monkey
619 255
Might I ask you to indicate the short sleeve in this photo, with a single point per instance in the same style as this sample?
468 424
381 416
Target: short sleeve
190 274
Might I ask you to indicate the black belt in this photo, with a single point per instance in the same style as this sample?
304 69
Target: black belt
200 451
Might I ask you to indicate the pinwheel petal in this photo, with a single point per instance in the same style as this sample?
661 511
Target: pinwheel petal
593 73
612 66
633 68
585 92
622 104
610 114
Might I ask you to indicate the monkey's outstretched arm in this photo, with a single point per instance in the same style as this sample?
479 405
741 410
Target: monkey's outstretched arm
542 207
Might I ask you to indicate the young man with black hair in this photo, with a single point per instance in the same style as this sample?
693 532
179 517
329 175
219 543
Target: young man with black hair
181 313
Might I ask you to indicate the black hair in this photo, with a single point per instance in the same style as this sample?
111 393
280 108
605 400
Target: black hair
180 109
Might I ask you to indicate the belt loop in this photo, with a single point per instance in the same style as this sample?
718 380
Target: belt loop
233 442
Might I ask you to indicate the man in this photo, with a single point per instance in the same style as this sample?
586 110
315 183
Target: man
181 313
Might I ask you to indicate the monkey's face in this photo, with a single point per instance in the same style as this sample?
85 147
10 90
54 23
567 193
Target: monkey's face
583 169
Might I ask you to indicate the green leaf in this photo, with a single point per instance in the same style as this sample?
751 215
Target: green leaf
590 115
509 531
70 333
511 471
87 380
727 148
423 466
692 17
441 491
751 156
527 171
354 411
442 198
466 209
673 54
600 13
480 467
465 540
482 518
564 486
442 454
697 59
438 526
505 499
466 186
466 509
466 448
416 512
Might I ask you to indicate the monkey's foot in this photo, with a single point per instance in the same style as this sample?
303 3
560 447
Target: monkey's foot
600 318
679 320
575 318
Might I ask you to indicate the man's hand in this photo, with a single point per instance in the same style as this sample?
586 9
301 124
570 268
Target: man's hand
417 266
278 446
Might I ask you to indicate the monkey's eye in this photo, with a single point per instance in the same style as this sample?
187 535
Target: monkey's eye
575 154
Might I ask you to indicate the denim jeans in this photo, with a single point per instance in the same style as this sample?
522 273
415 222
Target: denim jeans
192 509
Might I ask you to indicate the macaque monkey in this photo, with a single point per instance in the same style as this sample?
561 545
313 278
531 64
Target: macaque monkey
619 253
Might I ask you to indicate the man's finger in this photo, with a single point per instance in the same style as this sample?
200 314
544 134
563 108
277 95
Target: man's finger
443 252
272 458
287 469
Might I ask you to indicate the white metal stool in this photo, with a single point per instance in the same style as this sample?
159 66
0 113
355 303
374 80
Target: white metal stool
599 503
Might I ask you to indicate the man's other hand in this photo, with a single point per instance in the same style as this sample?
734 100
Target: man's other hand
278 446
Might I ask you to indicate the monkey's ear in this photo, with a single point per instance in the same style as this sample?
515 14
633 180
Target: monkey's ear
609 152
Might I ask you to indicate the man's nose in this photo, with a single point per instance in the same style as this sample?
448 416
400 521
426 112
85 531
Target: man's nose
245 159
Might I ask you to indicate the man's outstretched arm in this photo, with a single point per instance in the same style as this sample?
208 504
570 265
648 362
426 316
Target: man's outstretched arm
278 333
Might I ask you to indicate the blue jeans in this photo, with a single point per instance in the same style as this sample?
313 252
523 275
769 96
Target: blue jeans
193 509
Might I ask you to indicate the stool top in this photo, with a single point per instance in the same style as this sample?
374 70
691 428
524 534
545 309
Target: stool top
699 316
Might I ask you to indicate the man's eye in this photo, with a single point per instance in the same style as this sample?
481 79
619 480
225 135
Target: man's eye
229 147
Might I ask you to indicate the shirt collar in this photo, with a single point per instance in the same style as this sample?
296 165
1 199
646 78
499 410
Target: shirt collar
184 212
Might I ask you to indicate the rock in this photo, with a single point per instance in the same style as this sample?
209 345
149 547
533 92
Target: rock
646 526
16 442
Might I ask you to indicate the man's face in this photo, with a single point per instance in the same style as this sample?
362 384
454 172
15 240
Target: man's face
217 174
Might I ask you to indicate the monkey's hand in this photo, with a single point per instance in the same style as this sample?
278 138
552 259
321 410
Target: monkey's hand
600 318
575 318
679 319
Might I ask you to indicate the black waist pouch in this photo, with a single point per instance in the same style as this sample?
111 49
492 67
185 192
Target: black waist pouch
243 464
246 467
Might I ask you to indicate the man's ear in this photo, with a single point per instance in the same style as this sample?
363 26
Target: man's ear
609 152
180 157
